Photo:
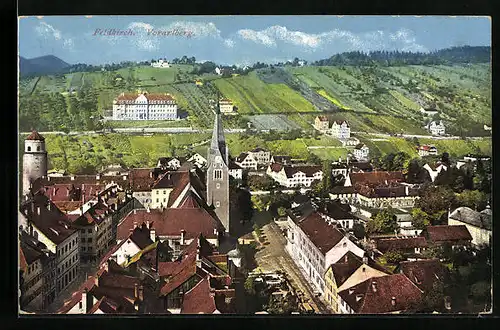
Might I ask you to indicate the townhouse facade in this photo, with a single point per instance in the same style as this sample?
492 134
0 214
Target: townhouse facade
361 152
262 156
436 128
322 124
314 244
246 160
340 129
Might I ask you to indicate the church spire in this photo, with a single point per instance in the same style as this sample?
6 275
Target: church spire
218 140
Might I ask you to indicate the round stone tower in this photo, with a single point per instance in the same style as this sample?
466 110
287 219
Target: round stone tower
34 160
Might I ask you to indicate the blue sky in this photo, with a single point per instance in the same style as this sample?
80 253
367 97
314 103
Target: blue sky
242 39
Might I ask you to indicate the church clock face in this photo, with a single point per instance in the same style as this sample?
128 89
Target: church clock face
218 159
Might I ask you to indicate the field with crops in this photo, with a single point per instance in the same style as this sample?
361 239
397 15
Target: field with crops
373 99
272 122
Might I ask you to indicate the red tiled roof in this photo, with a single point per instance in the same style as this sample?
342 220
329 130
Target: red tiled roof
376 177
52 223
185 269
387 244
22 260
199 299
345 267
35 136
423 273
170 222
323 118
447 233
150 97
321 234
276 167
363 299
96 306
68 207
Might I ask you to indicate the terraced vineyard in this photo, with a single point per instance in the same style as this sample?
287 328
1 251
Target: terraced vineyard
272 122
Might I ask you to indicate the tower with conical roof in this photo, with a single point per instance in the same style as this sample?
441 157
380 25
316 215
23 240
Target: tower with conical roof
218 171
34 160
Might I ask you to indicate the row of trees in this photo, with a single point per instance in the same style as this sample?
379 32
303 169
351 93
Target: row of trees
52 111
454 55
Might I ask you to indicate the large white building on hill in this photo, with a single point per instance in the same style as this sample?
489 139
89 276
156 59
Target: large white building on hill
144 106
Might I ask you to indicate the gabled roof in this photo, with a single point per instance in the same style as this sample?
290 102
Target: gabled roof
424 273
141 237
171 221
392 244
322 118
340 122
282 159
345 267
52 223
320 233
242 157
376 177
336 210
473 218
35 136
276 167
446 233
172 179
360 146
199 299
375 295
308 170
258 149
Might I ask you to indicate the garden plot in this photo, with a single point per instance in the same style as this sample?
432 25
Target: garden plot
274 122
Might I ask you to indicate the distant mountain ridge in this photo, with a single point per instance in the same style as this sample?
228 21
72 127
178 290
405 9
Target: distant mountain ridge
42 65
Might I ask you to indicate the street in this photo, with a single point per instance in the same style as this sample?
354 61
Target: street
273 257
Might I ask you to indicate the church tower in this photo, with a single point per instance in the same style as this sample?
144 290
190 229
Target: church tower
34 160
218 171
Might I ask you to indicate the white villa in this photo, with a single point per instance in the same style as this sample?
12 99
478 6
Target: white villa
361 152
144 106
294 176
160 64
340 129
436 128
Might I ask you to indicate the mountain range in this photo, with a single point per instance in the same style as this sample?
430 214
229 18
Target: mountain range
42 65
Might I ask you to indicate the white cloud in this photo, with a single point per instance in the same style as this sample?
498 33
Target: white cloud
373 40
47 31
260 37
229 43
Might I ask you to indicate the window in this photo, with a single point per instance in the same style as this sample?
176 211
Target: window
218 185
164 200
217 204
89 231
218 174
38 148
80 305
157 200
164 192
29 148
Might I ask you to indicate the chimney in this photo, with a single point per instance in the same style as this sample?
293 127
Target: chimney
135 211
374 286
183 233
38 210
135 224
124 177
84 300
152 234
407 190
393 301
48 206
151 174
81 210
345 258
136 291
116 206
141 292
106 266
147 224
365 260
72 178
148 210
